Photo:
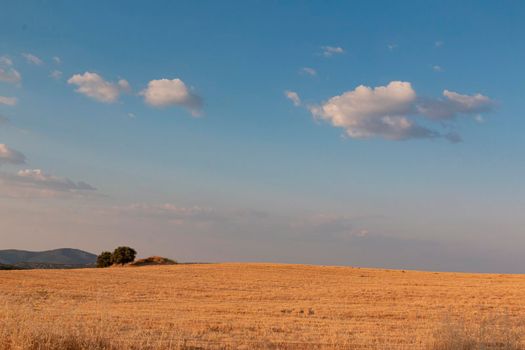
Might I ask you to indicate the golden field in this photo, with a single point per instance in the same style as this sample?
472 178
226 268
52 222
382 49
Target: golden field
258 306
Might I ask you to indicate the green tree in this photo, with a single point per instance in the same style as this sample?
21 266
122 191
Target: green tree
104 259
123 255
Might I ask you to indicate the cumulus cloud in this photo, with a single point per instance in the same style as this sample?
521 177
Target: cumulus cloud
366 112
95 87
9 155
30 58
293 96
329 51
8 101
389 111
56 74
174 92
308 71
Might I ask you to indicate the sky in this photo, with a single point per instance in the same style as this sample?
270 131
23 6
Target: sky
363 133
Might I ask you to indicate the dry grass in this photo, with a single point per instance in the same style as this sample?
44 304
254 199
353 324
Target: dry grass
258 306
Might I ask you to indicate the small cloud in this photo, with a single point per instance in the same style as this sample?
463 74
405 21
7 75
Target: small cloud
132 115
56 74
124 85
293 96
329 51
5 61
479 118
362 233
172 92
10 156
95 87
36 183
57 60
308 71
439 43
392 46
437 68
8 101
10 75
30 58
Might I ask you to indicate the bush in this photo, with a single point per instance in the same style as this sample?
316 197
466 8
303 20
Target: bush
123 255
104 259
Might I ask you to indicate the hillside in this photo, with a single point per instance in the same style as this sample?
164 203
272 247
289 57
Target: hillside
257 306
57 258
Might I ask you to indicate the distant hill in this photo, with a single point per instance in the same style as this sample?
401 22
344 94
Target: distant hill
57 258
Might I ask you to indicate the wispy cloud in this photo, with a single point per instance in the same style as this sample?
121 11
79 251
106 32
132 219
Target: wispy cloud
172 92
57 60
439 43
329 51
10 156
30 58
392 46
8 101
94 86
36 183
55 74
6 61
8 74
308 71
293 96
437 68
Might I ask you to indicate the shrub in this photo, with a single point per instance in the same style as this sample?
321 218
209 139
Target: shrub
123 255
104 259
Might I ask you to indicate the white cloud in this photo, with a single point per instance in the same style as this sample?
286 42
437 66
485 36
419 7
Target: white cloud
95 87
56 74
329 51
35 183
5 61
166 92
293 96
8 101
30 58
8 74
453 104
36 177
389 111
392 46
437 68
367 112
10 156
124 85
308 71
57 59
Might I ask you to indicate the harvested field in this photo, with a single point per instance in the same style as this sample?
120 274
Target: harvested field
231 306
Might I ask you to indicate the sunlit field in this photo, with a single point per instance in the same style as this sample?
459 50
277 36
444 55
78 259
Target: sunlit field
233 306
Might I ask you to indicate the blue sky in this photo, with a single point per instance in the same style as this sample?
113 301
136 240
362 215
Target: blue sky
199 153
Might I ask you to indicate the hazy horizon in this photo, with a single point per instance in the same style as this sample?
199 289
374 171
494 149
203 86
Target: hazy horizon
366 133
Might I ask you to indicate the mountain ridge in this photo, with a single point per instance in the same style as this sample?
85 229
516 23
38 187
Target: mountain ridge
69 257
